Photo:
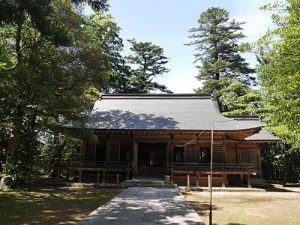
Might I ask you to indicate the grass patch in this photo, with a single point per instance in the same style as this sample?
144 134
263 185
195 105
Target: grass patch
254 208
51 205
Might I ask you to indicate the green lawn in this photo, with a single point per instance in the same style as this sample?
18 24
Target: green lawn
263 208
51 205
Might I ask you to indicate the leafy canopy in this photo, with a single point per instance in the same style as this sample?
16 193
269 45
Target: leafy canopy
279 71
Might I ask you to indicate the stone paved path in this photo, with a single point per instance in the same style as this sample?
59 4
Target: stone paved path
145 206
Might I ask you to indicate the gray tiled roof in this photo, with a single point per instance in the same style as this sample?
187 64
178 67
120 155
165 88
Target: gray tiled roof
162 112
262 135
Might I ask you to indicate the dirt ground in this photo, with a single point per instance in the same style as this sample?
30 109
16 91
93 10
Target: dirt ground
277 207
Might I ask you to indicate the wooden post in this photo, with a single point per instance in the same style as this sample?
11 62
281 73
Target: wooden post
171 159
135 158
127 173
242 178
103 176
197 178
223 180
167 156
118 179
188 183
98 178
208 181
57 174
67 176
80 176
249 183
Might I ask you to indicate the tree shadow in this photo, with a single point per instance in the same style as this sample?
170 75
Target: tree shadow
50 205
117 119
272 188
235 224
202 208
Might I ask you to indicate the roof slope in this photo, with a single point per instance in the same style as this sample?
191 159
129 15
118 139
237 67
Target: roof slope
262 135
162 112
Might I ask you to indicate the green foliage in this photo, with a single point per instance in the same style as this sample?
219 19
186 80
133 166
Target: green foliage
280 163
44 84
148 61
237 99
279 71
216 45
105 31
224 72
56 149
43 15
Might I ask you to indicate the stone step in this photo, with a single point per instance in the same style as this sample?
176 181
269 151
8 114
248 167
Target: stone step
220 189
147 183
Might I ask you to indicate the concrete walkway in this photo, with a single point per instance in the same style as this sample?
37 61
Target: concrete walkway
145 206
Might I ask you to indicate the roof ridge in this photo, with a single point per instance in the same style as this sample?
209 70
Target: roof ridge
154 96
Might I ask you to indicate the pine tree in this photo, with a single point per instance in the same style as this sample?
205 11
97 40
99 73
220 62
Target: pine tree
218 51
148 61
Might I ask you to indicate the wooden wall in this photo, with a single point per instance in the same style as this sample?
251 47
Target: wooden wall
224 151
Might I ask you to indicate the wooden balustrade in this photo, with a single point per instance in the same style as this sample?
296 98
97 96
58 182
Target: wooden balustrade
216 167
96 164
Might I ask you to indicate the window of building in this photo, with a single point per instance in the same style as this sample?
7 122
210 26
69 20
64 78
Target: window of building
100 152
204 155
114 152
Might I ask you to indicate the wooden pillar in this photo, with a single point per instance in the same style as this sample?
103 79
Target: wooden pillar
68 174
168 156
103 176
98 178
171 152
118 179
57 174
197 178
208 181
172 175
224 178
242 178
259 159
248 179
188 182
127 173
80 176
83 149
135 158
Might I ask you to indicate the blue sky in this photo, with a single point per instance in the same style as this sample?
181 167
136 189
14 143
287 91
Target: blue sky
166 23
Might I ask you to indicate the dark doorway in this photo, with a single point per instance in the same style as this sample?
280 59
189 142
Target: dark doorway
100 152
152 155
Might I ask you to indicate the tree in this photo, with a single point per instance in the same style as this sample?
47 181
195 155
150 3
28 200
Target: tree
279 71
216 42
148 61
105 32
44 85
238 99
40 12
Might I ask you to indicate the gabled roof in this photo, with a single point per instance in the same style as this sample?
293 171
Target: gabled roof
264 136
162 112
